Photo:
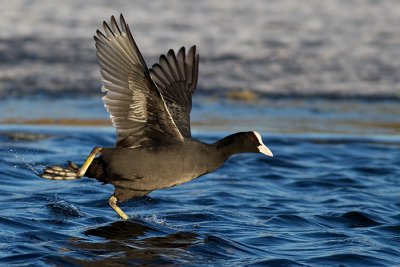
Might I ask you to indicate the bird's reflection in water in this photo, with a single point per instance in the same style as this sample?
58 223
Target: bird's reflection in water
132 242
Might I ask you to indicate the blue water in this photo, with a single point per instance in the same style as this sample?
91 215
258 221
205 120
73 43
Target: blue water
325 199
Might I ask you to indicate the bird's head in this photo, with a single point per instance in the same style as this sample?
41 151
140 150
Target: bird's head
254 143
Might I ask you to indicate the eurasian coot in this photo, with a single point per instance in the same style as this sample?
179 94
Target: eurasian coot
150 109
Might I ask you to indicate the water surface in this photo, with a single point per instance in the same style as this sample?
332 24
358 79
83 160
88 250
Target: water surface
328 197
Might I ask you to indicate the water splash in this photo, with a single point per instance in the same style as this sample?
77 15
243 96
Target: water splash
24 161
155 219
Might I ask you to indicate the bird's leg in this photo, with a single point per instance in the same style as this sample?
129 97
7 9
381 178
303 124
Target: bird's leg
72 172
113 203
82 170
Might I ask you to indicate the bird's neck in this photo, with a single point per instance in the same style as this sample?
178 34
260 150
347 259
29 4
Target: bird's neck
228 146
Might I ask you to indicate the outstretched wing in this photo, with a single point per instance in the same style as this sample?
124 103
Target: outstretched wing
136 107
176 78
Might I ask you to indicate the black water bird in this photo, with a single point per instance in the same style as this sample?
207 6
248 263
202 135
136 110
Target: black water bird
150 109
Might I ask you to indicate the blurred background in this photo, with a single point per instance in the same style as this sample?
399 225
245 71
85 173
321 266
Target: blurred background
276 54
328 48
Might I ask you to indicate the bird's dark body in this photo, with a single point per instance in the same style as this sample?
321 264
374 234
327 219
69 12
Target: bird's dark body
138 171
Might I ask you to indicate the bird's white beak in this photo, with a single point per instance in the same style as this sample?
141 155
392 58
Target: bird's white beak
265 150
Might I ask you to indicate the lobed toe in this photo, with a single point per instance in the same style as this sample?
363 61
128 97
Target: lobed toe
58 173
57 168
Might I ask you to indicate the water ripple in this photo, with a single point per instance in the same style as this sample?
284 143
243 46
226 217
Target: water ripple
285 211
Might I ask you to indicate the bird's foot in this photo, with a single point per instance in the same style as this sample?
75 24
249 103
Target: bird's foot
113 203
59 173
72 166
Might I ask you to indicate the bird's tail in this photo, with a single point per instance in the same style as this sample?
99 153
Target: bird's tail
59 173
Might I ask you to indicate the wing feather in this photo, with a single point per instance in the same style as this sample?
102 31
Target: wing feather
137 108
176 78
